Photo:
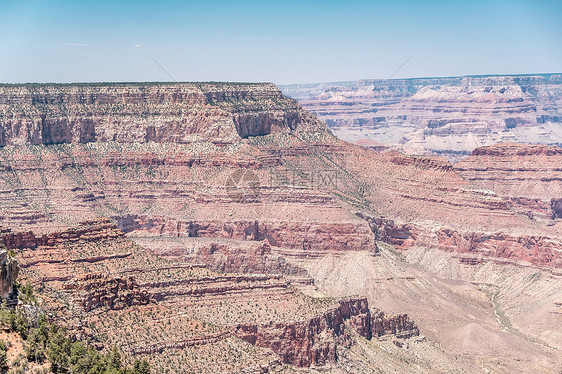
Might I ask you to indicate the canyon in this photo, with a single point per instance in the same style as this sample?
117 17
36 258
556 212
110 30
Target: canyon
448 116
220 227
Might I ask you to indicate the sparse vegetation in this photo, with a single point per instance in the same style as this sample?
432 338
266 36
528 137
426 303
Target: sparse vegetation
49 342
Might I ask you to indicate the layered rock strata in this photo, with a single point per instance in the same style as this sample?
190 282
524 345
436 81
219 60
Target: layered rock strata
139 113
82 279
284 203
528 176
446 116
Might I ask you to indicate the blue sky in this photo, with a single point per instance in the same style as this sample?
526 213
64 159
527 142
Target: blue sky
277 41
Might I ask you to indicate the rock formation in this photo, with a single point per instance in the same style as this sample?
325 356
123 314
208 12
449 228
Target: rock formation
528 176
301 330
8 274
446 116
89 231
233 217
140 113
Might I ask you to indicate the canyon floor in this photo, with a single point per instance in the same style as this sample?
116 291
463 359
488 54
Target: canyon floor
220 227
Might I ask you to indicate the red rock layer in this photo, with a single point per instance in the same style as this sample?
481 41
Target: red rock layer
311 342
512 150
529 177
297 235
537 250
315 341
91 230
400 325
84 274
236 256
114 293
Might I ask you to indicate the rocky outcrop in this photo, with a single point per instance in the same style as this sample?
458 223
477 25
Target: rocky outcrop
512 150
225 285
8 274
88 231
445 116
399 325
316 341
240 257
386 230
161 347
421 162
537 250
306 236
556 206
178 113
114 293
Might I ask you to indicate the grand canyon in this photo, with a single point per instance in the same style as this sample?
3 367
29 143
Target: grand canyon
224 228
448 116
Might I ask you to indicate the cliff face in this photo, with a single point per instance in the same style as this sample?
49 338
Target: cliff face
92 230
448 116
8 274
173 306
243 220
529 177
539 250
178 113
316 341
311 342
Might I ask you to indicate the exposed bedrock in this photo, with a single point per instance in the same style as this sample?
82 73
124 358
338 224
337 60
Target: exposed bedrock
529 177
535 249
8 274
512 150
446 116
177 113
106 279
306 236
244 257
556 206
115 293
91 230
316 341
265 123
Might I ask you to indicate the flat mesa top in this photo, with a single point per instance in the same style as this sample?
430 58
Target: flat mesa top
105 84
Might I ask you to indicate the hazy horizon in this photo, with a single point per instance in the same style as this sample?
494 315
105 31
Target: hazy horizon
280 42
266 82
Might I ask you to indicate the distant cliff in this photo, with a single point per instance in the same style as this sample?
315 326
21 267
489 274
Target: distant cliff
143 112
448 116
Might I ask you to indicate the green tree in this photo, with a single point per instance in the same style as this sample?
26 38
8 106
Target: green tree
3 357
59 349
11 253
141 367
7 316
78 350
25 293
115 359
35 348
20 324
